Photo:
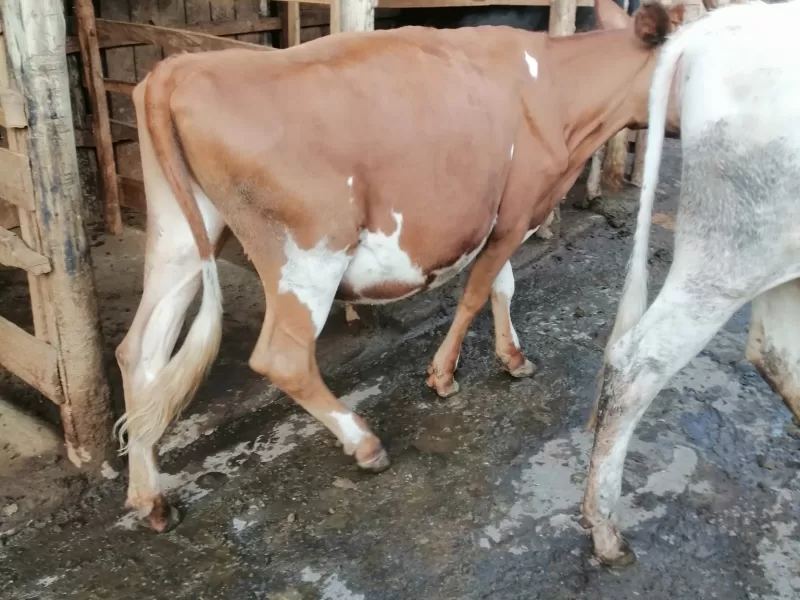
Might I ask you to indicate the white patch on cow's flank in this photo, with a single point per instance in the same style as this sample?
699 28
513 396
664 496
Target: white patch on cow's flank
512 151
350 181
313 276
445 274
533 65
379 260
350 428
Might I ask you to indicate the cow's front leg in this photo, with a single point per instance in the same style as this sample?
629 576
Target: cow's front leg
481 280
506 341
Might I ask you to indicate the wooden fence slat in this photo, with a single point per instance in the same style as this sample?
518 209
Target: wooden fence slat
115 86
451 3
237 27
120 132
104 146
12 109
16 186
174 39
32 360
132 193
16 253
39 67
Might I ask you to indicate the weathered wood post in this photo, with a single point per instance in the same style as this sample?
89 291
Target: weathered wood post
615 161
35 34
357 15
562 22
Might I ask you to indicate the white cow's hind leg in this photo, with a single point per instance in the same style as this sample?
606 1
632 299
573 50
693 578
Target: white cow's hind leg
507 346
171 280
774 341
684 317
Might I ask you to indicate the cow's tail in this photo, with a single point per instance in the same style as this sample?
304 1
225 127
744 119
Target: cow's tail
168 393
634 294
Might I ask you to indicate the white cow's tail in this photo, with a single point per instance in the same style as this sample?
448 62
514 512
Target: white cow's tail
634 294
165 396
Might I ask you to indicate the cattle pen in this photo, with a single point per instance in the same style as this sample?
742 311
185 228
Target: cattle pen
60 174
52 168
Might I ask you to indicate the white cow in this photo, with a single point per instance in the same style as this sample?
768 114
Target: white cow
736 76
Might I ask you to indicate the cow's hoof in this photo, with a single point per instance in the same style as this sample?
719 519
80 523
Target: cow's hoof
376 464
164 517
623 557
526 369
610 548
444 391
371 456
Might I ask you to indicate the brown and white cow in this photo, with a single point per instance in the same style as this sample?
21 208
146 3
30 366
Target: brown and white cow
366 167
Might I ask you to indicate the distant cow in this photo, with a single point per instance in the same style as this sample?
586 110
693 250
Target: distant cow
366 167
734 80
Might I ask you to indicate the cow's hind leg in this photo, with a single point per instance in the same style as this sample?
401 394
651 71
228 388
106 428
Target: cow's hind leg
774 341
684 317
299 294
171 280
507 346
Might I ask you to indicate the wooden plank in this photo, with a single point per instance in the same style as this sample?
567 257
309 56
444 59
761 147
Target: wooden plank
104 145
335 24
132 193
16 253
167 37
451 3
15 179
120 132
120 66
9 215
12 109
291 33
114 86
319 1
32 360
637 174
237 27
39 67
43 316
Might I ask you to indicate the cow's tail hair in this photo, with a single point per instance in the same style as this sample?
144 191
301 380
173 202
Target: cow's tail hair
168 393
634 293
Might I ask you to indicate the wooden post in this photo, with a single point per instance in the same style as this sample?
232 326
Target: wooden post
562 17
357 15
616 159
291 23
562 22
93 79
35 32
638 158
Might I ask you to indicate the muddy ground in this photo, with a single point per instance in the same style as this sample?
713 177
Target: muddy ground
483 494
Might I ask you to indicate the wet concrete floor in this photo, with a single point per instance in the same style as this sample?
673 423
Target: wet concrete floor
483 495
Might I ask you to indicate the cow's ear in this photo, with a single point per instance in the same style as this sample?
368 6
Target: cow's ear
653 22
609 15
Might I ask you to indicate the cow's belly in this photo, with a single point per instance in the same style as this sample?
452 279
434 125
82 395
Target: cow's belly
382 271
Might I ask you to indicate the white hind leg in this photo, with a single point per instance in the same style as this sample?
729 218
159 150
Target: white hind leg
774 341
686 314
171 280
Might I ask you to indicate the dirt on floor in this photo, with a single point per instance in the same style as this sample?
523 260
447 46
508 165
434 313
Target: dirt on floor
483 494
